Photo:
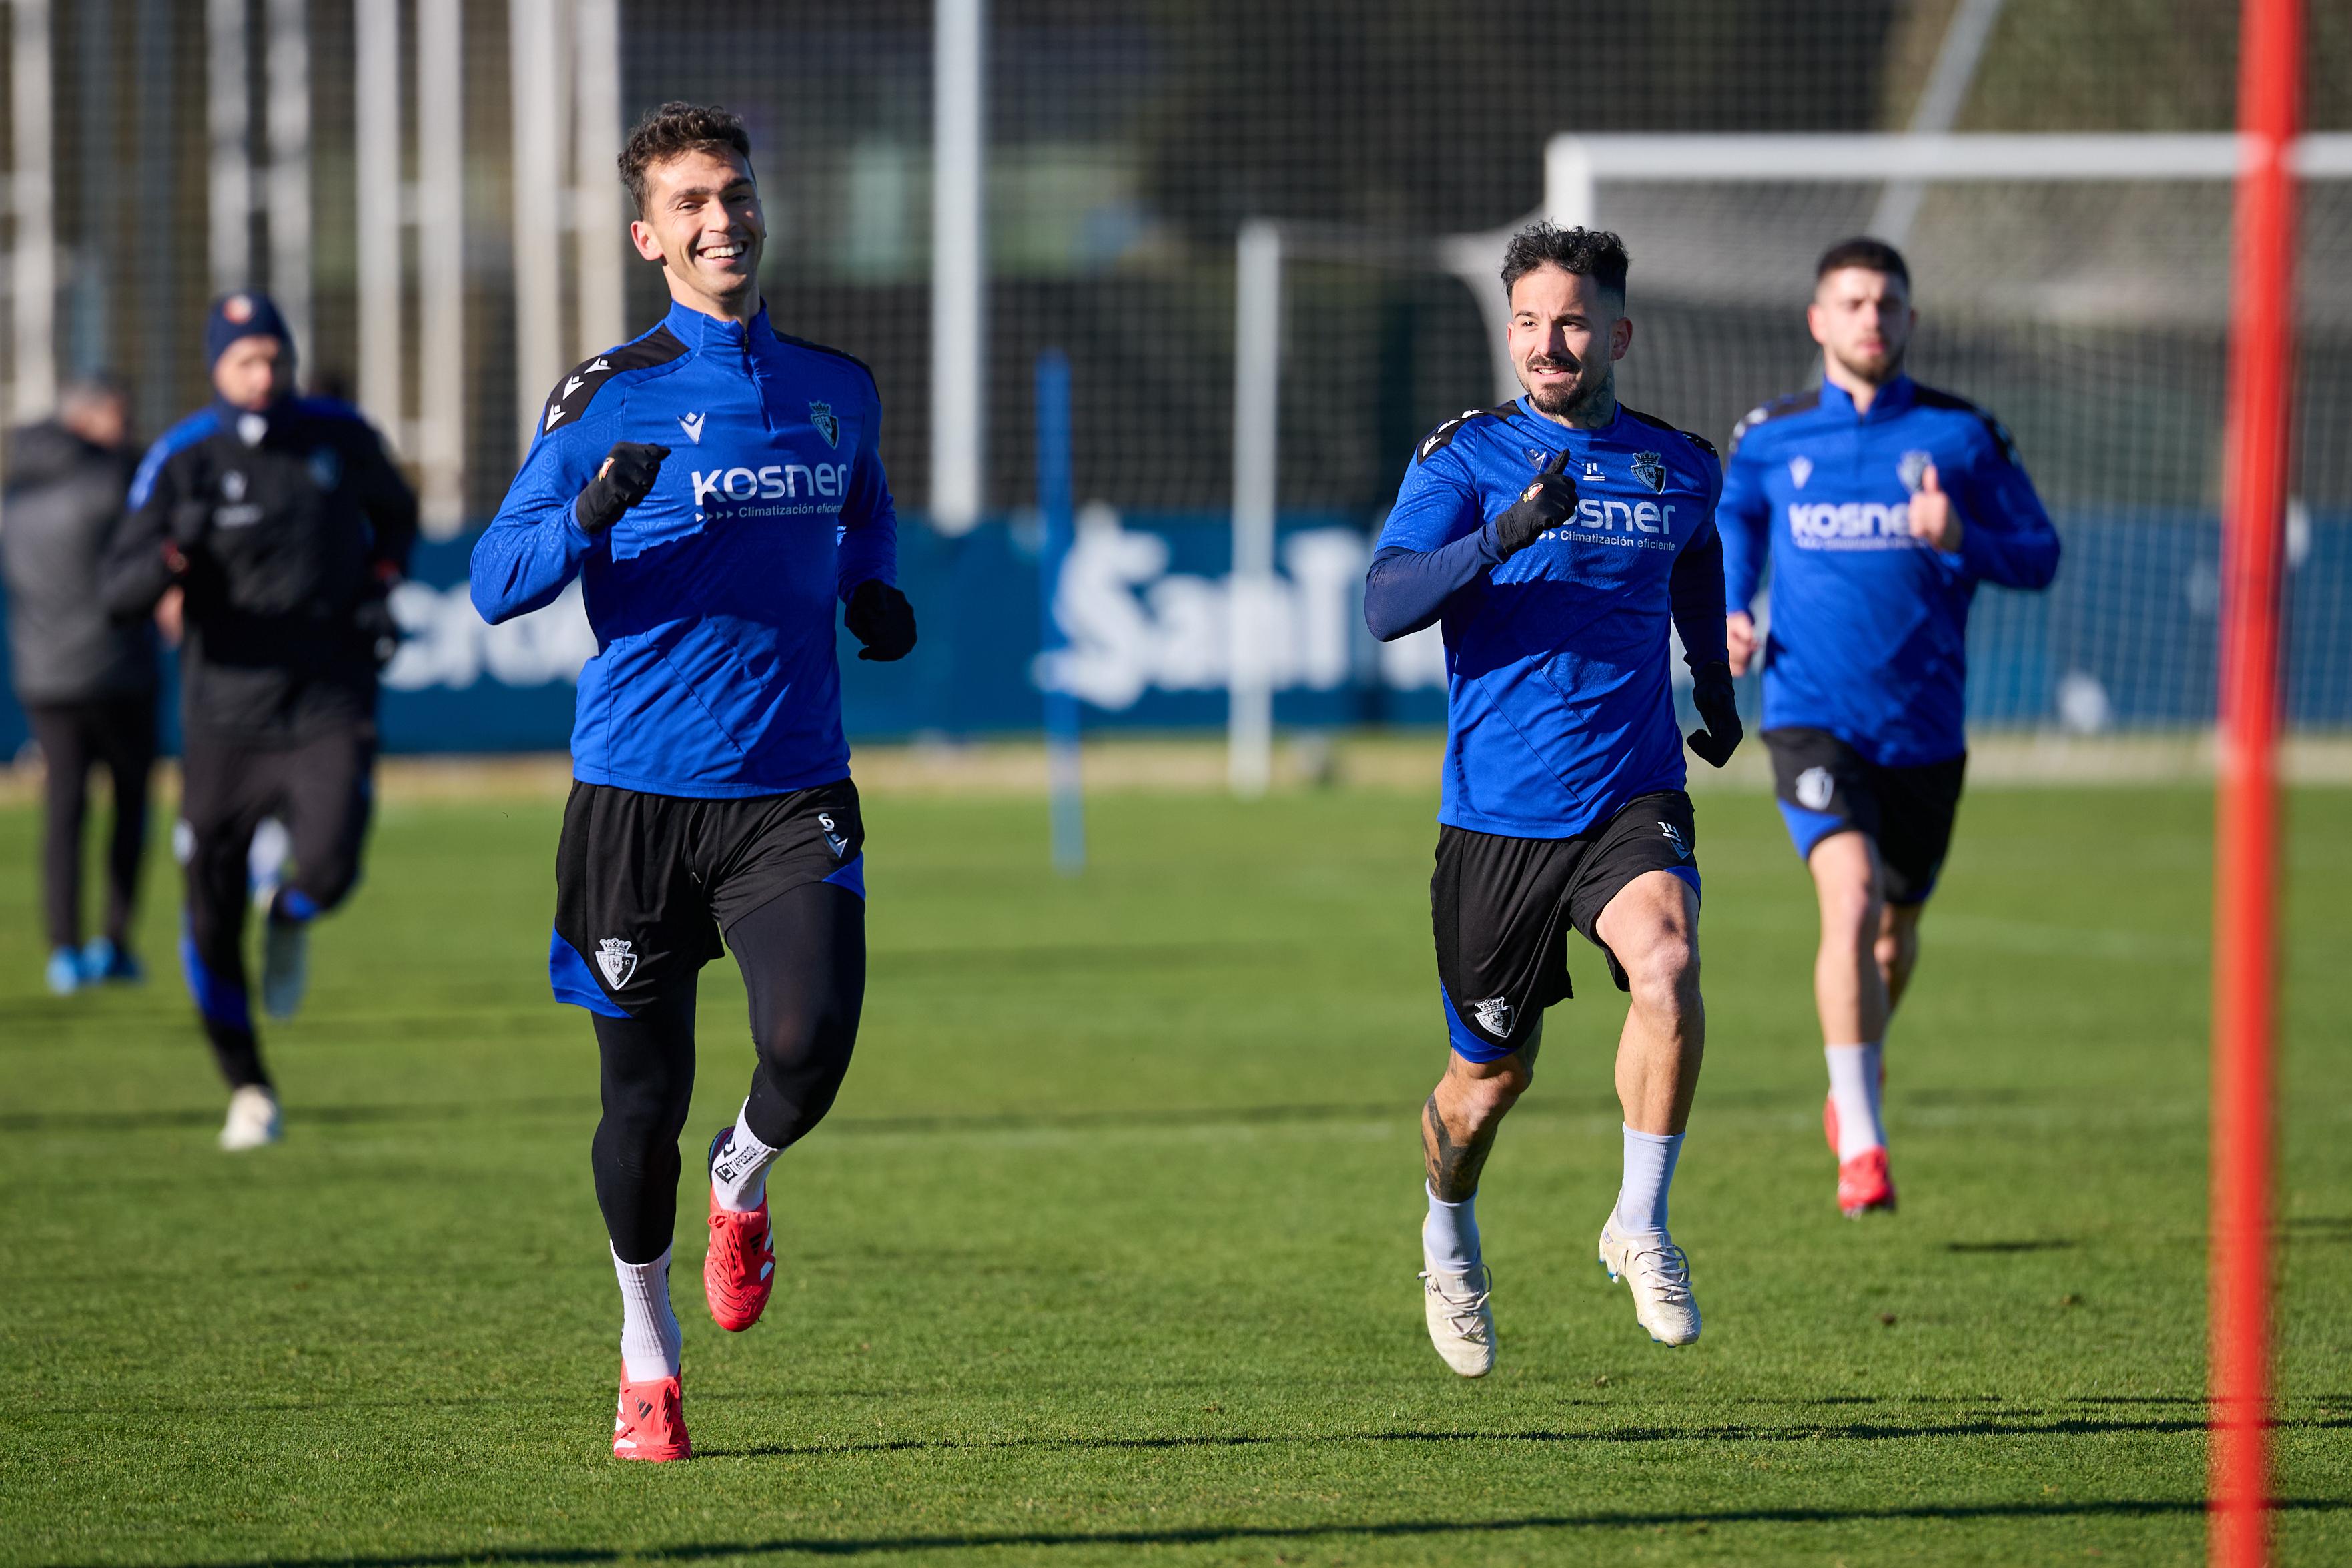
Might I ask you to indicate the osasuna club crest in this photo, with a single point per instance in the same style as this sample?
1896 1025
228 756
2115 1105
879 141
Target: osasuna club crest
1912 467
1650 467
1494 1016
821 415
614 957
1814 788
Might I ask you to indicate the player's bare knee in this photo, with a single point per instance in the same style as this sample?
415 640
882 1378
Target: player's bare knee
1897 947
1663 981
1849 912
1480 1097
1504 1088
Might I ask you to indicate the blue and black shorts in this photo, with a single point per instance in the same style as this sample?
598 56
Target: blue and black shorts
1827 786
646 884
1501 909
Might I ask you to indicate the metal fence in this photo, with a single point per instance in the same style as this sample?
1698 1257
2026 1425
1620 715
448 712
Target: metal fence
954 186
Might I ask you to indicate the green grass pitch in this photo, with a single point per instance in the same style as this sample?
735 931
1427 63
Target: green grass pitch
1108 1253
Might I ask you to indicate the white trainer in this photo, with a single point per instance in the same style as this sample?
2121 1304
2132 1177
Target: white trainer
1461 1318
253 1119
285 965
1659 1276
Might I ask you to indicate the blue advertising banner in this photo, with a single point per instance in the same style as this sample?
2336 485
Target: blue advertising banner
2124 639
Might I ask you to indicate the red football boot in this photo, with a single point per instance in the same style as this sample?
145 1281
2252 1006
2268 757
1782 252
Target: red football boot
739 1269
1864 1186
650 1421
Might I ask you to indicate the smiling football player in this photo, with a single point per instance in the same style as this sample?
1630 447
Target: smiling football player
717 488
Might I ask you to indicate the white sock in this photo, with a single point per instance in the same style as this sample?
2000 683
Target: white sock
650 1340
1853 1090
1649 1171
1449 1237
739 1176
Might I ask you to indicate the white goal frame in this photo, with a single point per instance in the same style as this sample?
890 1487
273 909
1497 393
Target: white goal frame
1574 167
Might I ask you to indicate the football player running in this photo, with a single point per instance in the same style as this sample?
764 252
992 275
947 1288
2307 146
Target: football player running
1554 539
285 527
717 488
1880 505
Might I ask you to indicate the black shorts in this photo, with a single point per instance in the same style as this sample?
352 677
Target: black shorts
1501 909
1826 786
644 884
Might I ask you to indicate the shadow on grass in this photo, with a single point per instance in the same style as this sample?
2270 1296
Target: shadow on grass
2053 1244
1732 1432
326 1115
1109 1118
1209 1535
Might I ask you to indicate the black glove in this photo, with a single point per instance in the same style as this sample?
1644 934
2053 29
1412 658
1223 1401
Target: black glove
879 616
1549 501
1711 694
625 479
378 627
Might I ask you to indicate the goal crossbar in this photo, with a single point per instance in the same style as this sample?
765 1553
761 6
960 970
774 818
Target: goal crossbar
1573 163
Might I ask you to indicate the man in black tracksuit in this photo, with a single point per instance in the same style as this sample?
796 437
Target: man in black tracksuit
86 681
286 525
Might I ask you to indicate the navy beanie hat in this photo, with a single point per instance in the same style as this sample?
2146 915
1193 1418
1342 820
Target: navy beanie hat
244 314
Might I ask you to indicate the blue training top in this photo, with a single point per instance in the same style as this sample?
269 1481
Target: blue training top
1869 626
713 599
1558 706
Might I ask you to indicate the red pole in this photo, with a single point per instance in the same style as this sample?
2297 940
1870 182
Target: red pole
2245 829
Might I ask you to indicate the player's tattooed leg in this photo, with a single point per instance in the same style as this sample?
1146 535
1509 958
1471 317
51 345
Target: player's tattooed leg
1454 1164
1463 1114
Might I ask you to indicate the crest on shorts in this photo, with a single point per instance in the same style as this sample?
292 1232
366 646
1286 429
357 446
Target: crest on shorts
616 959
1675 836
834 836
1912 467
821 415
1814 788
1494 1016
1650 467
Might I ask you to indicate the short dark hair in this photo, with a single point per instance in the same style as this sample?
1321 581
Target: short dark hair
675 130
1594 253
1862 251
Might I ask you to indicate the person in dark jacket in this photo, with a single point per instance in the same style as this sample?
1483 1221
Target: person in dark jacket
285 525
86 681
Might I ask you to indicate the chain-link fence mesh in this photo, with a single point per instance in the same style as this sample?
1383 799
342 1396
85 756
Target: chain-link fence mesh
1128 141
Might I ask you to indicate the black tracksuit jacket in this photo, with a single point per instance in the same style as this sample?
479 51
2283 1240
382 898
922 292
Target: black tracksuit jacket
287 529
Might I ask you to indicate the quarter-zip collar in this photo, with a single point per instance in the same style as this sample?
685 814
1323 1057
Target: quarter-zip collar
1557 435
706 333
1892 398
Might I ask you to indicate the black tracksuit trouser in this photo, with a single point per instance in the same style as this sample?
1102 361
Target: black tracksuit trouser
118 733
324 790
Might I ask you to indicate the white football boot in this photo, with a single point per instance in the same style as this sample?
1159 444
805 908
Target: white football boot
1461 1318
1659 1275
253 1119
285 965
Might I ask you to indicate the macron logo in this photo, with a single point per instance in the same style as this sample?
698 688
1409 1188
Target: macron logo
692 424
554 412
